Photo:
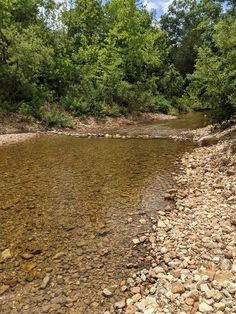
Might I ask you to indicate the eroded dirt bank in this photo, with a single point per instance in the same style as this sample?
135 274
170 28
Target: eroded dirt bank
13 130
14 124
192 245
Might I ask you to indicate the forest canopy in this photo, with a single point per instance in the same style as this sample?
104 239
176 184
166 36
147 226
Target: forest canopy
86 57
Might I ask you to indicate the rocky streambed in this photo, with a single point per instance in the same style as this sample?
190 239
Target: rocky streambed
98 225
192 245
69 210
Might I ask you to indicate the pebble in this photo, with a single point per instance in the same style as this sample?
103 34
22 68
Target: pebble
107 293
135 290
27 256
191 247
136 297
45 282
177 287
120 305
3 289
161 224
205 308
219 306
59 255
6 254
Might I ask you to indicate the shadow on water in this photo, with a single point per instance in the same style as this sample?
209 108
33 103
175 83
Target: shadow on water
73 196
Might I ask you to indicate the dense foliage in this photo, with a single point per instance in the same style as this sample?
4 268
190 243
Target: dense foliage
85 57
202 36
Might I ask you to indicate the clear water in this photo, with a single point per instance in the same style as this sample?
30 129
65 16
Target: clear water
73 196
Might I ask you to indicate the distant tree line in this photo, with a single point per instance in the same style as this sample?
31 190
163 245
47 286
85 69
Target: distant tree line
84 57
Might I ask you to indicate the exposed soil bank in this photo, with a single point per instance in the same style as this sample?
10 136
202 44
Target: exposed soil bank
13 123
13 130
192 245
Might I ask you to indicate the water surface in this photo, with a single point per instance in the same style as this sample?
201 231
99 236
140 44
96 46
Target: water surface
73 196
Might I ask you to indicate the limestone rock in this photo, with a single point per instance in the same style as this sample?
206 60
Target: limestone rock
177 287
120 304
45 282
107 293
205 308
208 140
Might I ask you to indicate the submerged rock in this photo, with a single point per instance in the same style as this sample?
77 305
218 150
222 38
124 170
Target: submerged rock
6 254
3 289
45 282
27 256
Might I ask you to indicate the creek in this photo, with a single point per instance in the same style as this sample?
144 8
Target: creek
70 207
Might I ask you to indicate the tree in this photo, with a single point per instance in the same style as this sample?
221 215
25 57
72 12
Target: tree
189 25
213 83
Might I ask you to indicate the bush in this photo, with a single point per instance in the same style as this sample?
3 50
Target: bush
26 113
52 116
114 110
163 104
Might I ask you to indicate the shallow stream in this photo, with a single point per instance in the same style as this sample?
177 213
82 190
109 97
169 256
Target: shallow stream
65 204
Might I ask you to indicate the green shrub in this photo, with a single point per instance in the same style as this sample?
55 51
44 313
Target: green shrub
52 116
163 104
25 111
114 110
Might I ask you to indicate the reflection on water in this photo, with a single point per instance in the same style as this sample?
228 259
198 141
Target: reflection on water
73 196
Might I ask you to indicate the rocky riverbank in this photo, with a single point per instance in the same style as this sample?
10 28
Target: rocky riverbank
192 246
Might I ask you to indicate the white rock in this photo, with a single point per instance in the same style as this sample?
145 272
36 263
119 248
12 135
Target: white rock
204 307
120 304
158 270
135 290
210 293
136 297
152 290
142 239
164 250
151 305
204 287
231 287
107 293
233 268
123 288
161 224
129 301
219 306
141 306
